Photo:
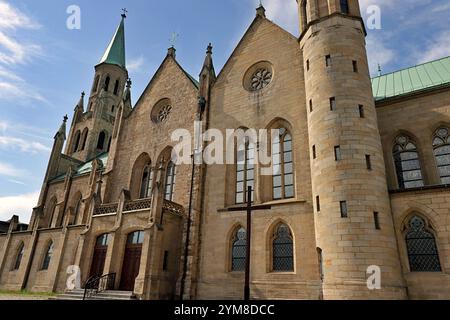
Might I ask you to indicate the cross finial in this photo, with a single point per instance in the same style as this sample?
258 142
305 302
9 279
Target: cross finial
379 70
173 39
125 11
65 118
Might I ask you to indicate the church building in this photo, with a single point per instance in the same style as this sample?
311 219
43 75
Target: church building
360 182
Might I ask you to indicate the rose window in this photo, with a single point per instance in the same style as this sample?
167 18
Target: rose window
260 79
164 113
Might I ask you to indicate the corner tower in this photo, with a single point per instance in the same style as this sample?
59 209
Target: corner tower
91 130
354 228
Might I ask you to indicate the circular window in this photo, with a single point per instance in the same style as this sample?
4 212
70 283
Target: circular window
161 111
258 76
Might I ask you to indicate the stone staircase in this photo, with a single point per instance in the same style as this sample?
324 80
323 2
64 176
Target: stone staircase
106 295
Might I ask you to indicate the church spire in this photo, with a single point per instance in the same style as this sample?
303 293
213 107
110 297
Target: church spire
80 104
62 130
115 53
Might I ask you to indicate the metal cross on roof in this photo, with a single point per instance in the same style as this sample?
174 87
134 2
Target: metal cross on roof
125 11
173 39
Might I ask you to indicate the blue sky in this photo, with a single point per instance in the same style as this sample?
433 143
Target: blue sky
44 66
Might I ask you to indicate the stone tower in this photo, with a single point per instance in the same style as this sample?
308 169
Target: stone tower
91 129
354 228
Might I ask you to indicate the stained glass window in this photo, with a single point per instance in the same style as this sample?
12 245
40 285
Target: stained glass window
422 250
441 145
283 166
147 182
19 257
239 250
283 249
407 164
245 170
47 257
170 181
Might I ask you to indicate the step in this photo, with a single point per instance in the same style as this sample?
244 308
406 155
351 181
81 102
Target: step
106 295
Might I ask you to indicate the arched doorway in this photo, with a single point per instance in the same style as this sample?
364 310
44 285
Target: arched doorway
131 260
98 260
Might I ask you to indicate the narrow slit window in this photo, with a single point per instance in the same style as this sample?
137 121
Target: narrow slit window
314 152
361 111
332 103
307 65
310 106
166 261
318 203
376 220
328 60
355 66
337 153
344 210
368 162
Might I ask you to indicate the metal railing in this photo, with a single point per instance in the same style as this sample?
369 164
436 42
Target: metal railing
98 284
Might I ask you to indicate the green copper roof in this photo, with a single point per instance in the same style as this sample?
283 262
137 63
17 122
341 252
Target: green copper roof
86 167
115 53
418 78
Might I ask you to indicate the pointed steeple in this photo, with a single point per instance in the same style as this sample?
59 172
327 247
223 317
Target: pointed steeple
62 130
80 104
115 53
208 65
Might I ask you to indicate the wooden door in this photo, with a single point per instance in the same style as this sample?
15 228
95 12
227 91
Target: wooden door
131 261
98 260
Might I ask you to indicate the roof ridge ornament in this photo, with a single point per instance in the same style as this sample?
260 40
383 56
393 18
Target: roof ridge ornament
124 13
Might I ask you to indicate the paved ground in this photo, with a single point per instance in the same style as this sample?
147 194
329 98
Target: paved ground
21 297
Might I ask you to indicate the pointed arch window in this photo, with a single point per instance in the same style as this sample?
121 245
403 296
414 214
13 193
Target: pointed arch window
245 170
47 257
116 87
96 82
423 253
51 211
344 7
170 181
283 166
76 143
407 163
305 13
441 145
84 139
19 257
76 211
101 140
239 250
282 249
107 82
147 182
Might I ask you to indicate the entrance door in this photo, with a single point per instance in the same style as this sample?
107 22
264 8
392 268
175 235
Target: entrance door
98 260
131 260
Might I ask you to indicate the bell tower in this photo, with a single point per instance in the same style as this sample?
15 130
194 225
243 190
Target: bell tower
92 128
354 228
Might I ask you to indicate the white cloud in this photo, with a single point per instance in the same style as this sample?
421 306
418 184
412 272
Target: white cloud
135 65
437 48
7 142
21 205
17 182
15 52
12 18
283 13
378 53
10 171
